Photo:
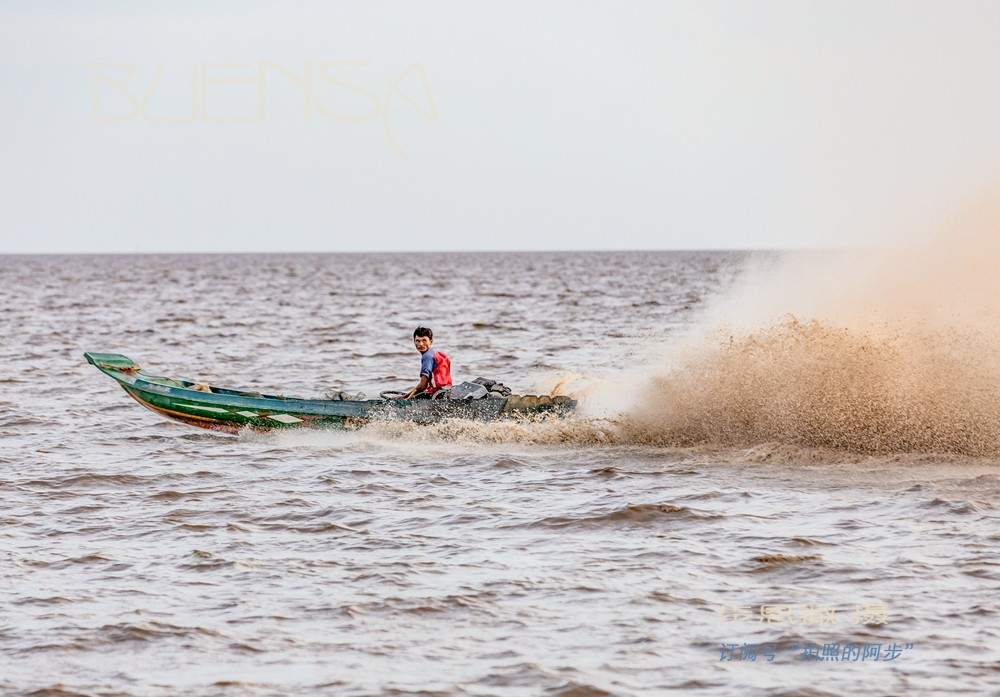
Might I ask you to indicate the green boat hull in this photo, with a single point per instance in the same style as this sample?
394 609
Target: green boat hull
230 410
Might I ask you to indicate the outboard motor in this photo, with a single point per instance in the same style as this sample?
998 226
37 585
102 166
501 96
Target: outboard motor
496 389
467 390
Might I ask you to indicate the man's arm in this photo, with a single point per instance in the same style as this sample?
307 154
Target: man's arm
426 370
421 386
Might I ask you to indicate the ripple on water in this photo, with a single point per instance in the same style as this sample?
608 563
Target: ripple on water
630 514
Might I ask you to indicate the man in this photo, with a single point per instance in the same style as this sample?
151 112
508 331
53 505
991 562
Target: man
435 366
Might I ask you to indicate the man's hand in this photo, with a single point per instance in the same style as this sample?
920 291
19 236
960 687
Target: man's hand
421 386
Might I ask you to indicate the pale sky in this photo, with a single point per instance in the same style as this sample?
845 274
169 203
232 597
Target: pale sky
352 126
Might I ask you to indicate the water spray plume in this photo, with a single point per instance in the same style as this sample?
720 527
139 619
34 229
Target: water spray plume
887 351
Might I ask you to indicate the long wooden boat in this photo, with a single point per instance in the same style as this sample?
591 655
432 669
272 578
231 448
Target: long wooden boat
224 409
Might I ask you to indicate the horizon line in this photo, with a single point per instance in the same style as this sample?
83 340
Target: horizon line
424 251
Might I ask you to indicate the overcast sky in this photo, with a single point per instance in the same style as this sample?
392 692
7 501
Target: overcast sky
343 126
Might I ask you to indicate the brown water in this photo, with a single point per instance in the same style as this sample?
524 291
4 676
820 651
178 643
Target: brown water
607 554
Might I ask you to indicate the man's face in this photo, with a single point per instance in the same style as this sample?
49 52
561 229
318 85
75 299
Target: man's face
422 343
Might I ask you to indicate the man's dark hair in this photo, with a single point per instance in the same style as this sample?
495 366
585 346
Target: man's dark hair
423 331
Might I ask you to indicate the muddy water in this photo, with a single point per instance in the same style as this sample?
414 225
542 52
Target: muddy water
147 558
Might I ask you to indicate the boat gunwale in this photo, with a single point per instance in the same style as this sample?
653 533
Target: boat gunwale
290 405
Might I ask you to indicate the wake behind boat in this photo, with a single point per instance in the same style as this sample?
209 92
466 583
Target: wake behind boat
225 409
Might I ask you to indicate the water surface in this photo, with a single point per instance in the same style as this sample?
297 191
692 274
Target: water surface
144 557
